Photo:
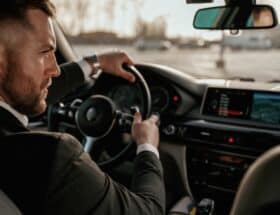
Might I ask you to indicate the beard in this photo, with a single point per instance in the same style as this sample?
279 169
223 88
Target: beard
21 92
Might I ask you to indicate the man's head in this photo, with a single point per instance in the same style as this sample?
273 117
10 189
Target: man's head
27 61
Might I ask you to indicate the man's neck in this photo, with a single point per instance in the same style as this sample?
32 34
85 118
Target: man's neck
21 117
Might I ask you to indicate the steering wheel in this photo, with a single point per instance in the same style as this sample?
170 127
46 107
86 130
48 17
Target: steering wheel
96 117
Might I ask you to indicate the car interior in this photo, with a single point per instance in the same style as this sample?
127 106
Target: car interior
218 137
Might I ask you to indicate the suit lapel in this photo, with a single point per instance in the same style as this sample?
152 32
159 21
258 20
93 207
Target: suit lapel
9 124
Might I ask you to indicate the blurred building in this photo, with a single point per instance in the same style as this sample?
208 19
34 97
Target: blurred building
255 39
274 35
248 41
100 37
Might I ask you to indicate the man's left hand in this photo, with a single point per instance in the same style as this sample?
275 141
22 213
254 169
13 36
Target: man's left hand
112 63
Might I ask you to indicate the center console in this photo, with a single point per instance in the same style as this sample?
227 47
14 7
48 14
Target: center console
238 126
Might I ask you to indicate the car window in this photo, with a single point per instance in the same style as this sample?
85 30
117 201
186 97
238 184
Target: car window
161 31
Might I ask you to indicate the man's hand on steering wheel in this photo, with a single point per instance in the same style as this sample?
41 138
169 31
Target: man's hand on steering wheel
146 131
112 63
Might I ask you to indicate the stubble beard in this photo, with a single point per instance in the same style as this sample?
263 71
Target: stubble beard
22 96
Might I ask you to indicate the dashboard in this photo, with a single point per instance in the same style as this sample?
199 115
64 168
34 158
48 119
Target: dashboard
168 100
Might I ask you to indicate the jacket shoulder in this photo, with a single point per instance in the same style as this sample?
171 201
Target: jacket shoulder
49 144
41 137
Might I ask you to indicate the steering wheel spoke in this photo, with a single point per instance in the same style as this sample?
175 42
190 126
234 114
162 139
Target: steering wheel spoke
89 143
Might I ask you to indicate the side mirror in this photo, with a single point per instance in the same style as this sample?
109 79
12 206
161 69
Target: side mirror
235 17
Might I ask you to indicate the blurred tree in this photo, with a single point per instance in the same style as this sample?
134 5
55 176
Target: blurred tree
151 30
110 11
141 28
73 14
82 13
138 4
160 27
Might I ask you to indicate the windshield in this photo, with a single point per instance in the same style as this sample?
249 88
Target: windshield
161 32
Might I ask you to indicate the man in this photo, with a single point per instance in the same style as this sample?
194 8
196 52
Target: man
49 173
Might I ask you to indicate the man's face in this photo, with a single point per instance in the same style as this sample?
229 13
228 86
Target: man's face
263 18
31 64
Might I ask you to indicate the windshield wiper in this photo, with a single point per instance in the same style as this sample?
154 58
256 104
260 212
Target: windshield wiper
239 78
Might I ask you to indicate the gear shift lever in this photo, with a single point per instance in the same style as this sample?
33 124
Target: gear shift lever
206 207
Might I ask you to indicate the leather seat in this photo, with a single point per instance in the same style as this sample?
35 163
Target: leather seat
259 191
7 207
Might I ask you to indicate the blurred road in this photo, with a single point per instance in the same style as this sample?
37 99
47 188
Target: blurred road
262 65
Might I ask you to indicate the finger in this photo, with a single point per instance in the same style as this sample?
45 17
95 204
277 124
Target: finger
137 118
154 119
128 60
126 75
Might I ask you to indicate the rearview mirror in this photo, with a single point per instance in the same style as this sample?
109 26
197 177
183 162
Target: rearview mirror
235 17
198 1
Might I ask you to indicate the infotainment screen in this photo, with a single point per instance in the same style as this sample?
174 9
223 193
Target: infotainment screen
266 108
226 103
259 106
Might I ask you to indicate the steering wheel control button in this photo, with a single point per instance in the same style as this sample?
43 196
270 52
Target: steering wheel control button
70 114
96 116
61 112
134 109
76 103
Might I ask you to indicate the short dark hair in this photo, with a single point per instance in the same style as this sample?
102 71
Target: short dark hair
16 9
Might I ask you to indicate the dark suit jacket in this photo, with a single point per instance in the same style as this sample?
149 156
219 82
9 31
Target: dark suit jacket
49 173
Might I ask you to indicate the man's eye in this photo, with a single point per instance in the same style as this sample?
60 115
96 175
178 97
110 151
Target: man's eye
45 51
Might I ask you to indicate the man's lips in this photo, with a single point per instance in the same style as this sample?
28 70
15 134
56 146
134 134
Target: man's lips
45 89
47 85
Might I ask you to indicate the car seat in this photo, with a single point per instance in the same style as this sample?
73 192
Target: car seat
7 207
259 190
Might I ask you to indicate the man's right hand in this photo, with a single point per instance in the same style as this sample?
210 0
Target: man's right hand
145 131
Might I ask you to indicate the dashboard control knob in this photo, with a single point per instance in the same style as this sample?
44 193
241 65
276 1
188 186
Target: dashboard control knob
169 130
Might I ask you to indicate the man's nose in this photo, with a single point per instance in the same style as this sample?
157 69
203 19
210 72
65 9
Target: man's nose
53 69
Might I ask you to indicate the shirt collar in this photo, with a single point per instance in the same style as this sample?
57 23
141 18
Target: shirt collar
22 118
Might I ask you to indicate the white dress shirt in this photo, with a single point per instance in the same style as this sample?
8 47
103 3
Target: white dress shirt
22 118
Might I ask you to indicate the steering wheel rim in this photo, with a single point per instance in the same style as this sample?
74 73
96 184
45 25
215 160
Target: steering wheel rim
144 89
